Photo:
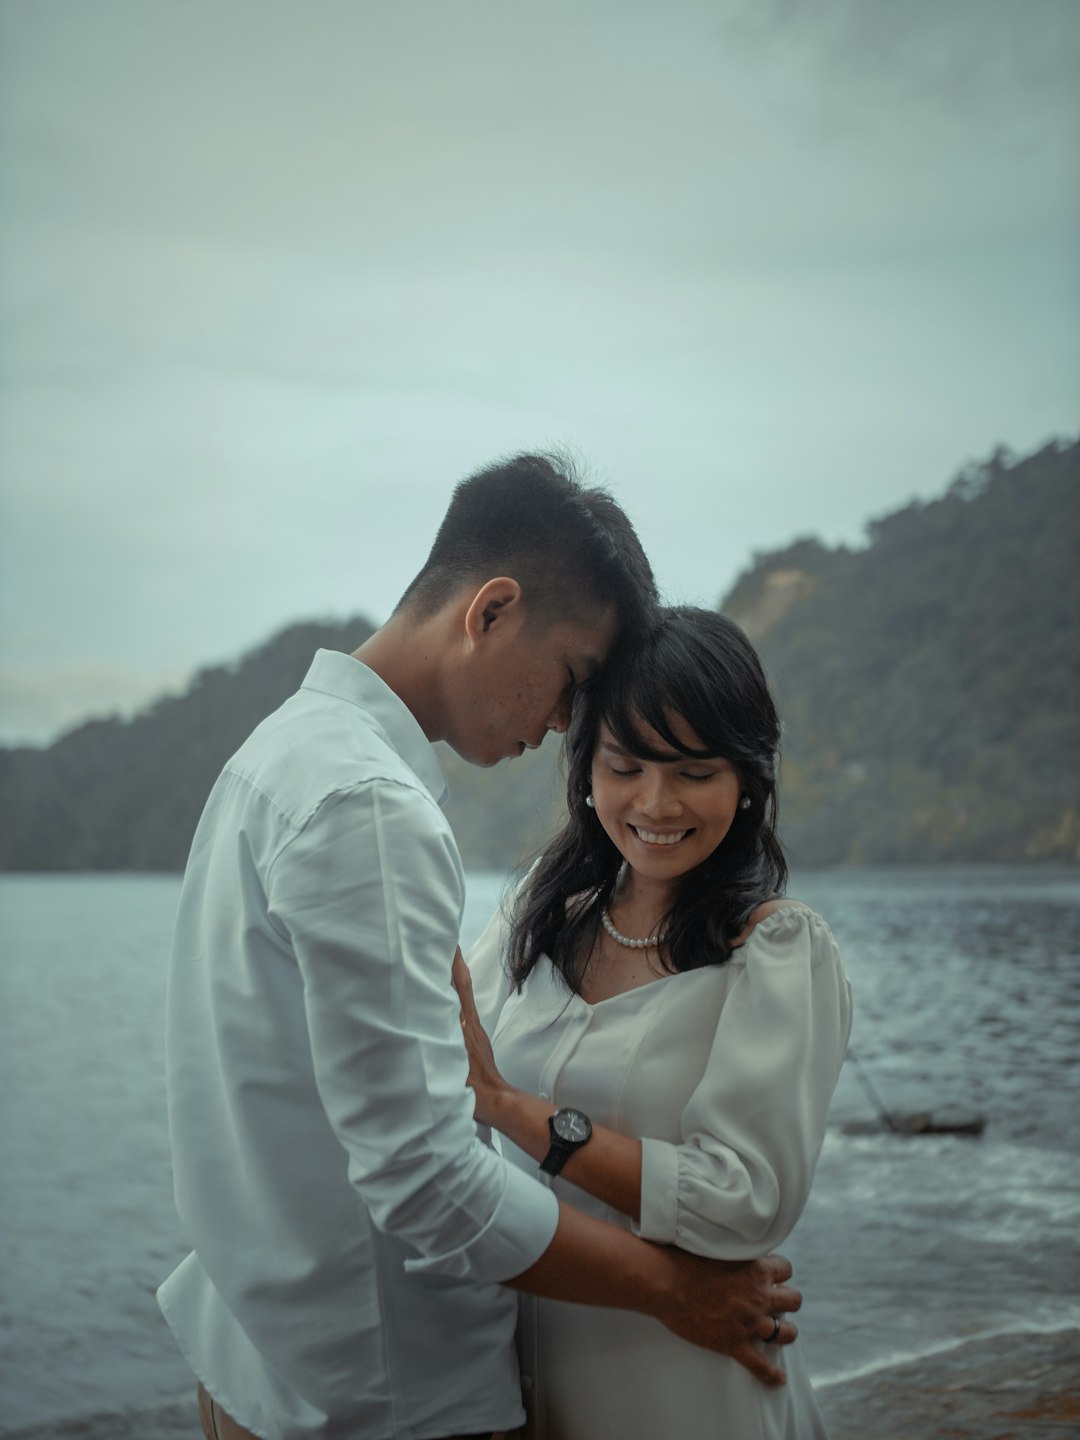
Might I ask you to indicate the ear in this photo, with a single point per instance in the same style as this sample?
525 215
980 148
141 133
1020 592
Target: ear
496 605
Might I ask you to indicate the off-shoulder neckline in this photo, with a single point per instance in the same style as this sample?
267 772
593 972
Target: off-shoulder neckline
796 907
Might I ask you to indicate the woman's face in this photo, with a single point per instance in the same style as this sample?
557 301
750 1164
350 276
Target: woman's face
664 816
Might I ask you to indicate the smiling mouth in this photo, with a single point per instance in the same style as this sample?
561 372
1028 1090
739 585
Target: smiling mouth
658 837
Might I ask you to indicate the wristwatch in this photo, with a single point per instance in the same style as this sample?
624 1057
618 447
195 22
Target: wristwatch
569 1130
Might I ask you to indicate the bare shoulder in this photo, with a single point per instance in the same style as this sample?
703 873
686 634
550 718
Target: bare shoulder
763 911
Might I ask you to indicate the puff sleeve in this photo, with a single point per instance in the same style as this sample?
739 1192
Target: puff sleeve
753 1127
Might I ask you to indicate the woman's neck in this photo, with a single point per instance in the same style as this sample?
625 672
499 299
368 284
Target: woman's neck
642 899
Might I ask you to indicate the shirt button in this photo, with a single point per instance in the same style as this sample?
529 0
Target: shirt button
545 1096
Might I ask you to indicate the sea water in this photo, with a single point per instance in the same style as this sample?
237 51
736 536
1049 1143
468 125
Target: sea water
967 989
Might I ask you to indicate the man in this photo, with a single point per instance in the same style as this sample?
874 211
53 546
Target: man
351 1233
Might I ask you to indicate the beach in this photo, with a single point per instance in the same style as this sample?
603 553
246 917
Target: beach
1008 1387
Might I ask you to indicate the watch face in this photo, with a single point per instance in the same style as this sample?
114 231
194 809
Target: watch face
571 1125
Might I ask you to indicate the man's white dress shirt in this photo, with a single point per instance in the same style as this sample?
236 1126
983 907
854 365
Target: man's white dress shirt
347 1226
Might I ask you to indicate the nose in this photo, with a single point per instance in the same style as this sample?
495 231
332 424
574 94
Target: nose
656 798
559 719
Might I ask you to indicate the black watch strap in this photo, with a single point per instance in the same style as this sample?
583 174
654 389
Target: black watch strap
557 1156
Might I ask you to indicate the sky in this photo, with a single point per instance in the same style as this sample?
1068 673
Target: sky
274 276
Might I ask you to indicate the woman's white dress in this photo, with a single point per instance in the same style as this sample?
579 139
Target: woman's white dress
726 1073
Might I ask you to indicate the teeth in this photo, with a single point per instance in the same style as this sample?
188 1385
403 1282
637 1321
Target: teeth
652 838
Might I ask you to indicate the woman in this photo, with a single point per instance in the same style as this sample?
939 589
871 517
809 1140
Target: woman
652 981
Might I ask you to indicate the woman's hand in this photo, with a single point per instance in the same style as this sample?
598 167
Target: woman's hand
488 1085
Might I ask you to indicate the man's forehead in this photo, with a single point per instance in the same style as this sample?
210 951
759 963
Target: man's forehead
592 638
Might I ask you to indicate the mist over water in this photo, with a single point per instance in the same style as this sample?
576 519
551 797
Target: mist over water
967 989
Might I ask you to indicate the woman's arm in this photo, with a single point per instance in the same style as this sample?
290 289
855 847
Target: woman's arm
753 1126
752 1129
609 1166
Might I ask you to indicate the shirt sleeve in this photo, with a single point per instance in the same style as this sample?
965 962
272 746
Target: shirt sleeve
369 892
753 1128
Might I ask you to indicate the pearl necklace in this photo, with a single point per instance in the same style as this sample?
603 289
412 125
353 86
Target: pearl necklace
627 940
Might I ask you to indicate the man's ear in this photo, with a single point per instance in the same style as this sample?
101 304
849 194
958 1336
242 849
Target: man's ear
497 602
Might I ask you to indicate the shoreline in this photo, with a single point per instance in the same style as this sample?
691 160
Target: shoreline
1004 1386
902 1359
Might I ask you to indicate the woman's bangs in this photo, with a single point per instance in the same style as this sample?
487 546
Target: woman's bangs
640 702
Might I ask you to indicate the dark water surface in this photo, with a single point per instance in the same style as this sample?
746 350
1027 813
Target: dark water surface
967 986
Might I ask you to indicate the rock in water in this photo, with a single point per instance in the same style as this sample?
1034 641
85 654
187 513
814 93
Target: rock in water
949 1120
954 1120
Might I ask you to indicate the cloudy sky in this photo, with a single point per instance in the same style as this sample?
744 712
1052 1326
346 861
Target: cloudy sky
274 275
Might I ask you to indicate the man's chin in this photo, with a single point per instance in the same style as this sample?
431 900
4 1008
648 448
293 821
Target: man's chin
483 760
491 760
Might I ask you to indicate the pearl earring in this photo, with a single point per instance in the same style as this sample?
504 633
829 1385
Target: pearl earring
745 803
590 802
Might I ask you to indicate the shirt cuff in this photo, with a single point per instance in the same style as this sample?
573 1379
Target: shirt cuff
659 1192
518 1233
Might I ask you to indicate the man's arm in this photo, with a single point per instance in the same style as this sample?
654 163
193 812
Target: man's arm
717 1304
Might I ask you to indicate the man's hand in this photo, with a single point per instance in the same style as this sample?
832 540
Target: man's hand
727 1306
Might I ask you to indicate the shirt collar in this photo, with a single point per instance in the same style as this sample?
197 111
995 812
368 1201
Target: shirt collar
349 679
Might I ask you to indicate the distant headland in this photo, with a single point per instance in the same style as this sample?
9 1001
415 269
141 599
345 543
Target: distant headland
928 681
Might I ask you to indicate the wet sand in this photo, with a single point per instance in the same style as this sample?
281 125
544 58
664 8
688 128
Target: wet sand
1009 1387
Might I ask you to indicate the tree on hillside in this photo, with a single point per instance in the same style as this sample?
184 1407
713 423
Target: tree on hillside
928 684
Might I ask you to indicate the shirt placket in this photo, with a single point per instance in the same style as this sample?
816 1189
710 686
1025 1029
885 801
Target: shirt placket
578 1019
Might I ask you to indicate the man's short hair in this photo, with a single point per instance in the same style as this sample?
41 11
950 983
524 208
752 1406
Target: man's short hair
569 546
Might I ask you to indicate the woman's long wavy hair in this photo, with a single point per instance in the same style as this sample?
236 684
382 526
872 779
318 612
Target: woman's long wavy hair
697 666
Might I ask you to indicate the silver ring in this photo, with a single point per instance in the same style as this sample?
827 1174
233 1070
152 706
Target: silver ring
771 1339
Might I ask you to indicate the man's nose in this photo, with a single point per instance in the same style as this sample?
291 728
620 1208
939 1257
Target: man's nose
559 719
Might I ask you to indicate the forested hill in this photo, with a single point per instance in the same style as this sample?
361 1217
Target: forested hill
127 794
928 682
